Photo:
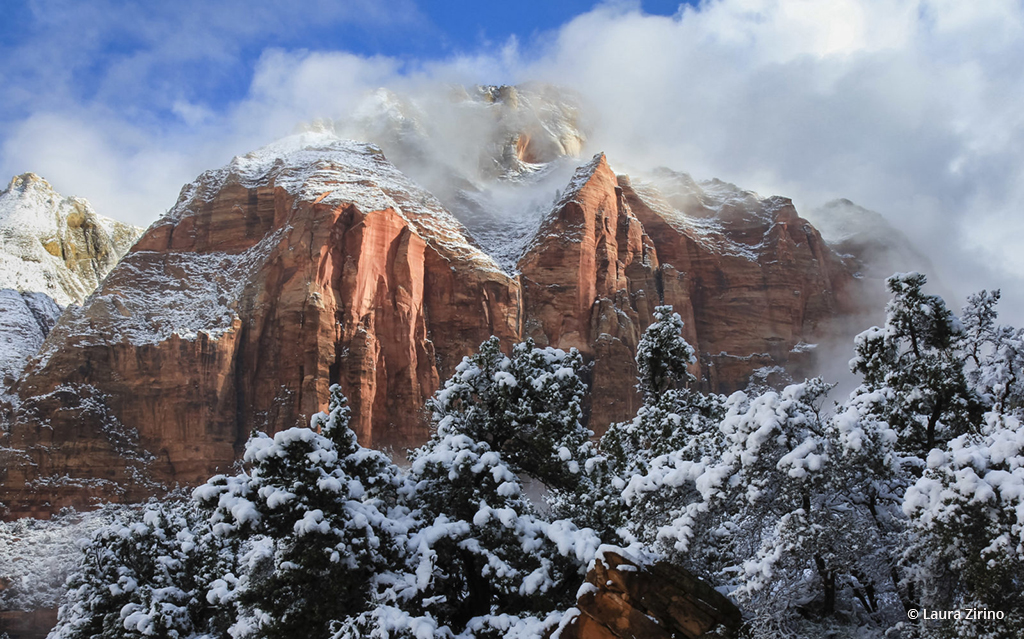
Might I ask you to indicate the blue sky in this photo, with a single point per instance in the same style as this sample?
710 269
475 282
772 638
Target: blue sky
907 107
138 59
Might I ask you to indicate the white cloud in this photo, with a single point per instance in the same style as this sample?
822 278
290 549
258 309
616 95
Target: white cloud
907 107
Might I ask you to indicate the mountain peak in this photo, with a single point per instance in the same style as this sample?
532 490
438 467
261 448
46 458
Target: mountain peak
54 244
26 180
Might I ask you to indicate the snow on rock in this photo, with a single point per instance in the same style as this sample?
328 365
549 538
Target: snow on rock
56 245
720 216
320 166
25 321
492 155
37 555
865 235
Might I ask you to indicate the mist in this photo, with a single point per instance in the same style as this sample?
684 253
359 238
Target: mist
906 108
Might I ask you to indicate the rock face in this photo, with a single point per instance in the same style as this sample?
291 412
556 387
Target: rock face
56 245
762 283
754 283
314 261
867 240
25 321
622 599
302 265
54 251
590 282
33 624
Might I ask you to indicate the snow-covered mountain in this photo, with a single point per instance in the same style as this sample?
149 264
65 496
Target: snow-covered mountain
25 320
54 251
877 248
495 156
54 244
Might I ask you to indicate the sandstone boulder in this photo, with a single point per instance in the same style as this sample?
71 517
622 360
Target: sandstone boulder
625 599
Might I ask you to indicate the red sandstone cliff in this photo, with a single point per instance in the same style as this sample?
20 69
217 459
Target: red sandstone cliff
315 261
291 269
763 285
753 282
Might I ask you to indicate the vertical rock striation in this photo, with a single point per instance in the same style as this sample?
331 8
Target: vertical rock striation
304 264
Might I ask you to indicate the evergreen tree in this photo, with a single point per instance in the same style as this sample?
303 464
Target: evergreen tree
482 547
994 355
966 547
915 361
312 515
674 417
663 357
773 507
142 576
478 554
527 406
966 511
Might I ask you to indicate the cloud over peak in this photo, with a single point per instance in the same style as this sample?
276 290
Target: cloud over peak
910 108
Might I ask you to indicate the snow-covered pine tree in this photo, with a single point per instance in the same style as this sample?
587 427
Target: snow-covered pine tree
482 547
527 406
994 355
777 513
481 561
311 519
966 512
663 356
139 578
966 547
914 360
674 416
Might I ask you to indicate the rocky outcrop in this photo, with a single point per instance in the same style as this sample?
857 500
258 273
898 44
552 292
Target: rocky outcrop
623 598
754 283
54 251
25 320
56 245
867 240
315 261
589 282
762 284
30 624
298 266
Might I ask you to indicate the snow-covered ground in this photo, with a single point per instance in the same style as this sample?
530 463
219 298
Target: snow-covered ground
36 556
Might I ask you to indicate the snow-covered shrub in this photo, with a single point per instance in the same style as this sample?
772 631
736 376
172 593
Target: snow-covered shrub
967 529
663 356
479 547
527 406
478 552
777 505
994 355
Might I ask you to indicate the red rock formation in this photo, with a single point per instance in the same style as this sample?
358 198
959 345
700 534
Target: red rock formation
300 266
268 281
760 281
622 599
588 282
27 624
753 282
